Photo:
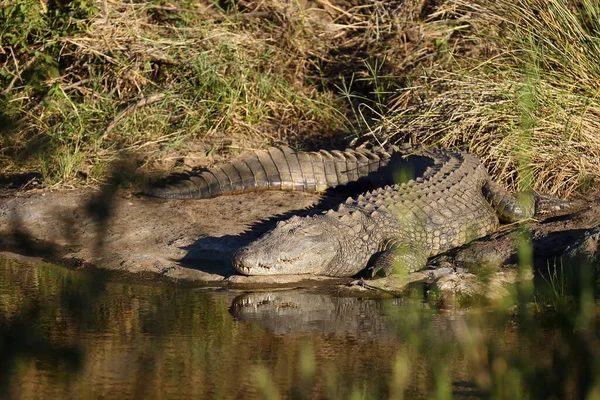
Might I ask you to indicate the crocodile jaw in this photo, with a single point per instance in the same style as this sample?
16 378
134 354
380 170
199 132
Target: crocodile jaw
296 246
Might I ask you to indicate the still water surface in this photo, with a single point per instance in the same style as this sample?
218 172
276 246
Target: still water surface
69 335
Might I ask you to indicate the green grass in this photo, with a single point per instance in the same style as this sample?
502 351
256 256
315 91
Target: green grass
221 83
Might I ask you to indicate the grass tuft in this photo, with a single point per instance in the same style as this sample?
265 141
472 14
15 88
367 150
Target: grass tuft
224 79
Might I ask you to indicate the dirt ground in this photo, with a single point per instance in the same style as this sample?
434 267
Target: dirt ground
192 241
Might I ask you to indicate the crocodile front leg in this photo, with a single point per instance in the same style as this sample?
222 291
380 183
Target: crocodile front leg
398 256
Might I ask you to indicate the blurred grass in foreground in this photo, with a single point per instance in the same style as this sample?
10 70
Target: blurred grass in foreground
63 333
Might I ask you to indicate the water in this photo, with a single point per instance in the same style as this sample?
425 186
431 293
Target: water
64 334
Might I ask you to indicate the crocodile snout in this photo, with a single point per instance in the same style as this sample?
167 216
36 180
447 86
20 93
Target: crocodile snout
242 261
249 262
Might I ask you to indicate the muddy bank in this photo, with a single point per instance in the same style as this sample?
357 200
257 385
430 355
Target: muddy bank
192 241
177 240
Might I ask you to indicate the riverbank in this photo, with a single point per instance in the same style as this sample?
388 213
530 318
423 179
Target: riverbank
190 242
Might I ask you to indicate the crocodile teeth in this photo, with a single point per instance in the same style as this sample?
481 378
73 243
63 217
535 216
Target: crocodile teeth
244 270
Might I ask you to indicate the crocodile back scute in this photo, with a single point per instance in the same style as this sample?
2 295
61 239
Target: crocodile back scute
441 209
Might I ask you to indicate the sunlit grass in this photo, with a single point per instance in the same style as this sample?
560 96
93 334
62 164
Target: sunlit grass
473 96
82 99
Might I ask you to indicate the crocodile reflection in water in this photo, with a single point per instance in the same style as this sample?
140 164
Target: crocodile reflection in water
299 312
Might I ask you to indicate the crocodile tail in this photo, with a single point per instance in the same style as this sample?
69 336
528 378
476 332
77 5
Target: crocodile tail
277 169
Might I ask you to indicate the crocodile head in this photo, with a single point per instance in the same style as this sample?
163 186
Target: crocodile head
295 246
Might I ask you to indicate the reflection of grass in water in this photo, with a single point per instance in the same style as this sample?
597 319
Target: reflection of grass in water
27 322
185 340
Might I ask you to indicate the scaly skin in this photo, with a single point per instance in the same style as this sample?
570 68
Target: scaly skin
390 228
282 169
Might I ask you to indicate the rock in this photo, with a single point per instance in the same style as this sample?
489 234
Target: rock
446 286
467 286
580 263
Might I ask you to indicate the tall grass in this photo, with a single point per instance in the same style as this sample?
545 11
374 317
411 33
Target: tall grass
84 81
472 97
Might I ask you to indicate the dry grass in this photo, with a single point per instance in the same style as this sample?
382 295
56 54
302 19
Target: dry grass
515 83
522 79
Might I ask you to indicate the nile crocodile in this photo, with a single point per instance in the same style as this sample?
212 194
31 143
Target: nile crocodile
450 201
